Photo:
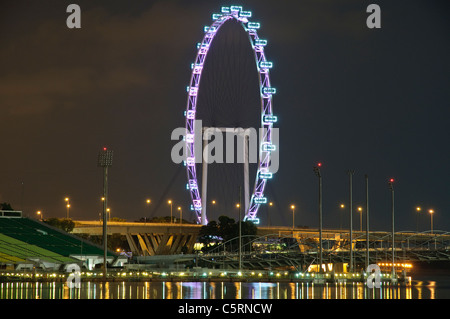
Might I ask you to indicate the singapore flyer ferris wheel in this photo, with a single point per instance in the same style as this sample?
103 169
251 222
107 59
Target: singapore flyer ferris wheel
266 143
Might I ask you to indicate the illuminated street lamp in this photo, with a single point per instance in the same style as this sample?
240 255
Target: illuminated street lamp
391 187
319 175
170 203
67 205
101 214
293 213
213 202
41 216
148 201
268 212
366 177
342 206
360 217
418 210
431 211
350 204
181 214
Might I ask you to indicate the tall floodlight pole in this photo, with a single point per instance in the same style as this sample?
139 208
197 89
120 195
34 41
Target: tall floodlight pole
105 157
367 220
350 206
391 187
317 171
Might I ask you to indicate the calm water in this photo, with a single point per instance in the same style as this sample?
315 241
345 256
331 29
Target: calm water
439 288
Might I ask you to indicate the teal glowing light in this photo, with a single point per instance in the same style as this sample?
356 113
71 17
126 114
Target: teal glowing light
208 28
260 42
254 220
269 119
260 200
266 64
267 90
253 25
268 147
265 175
246 14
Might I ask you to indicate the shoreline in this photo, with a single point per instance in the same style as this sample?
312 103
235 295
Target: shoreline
309 278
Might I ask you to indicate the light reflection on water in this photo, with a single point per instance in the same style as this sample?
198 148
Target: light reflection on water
215 290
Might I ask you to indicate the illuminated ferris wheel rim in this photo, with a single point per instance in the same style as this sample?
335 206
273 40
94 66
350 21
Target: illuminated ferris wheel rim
267 117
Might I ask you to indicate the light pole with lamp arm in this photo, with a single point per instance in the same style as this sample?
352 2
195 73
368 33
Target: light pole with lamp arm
391 187
319 175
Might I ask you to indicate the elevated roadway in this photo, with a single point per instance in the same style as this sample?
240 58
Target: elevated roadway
149 239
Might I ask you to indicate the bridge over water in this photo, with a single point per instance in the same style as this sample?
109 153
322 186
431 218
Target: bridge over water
278 245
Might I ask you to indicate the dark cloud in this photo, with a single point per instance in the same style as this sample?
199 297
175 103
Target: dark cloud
373 100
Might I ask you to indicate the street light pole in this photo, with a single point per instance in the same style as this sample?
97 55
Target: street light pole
105 160
367 220
181 214
431 215
293 212
360 218
350 204
148 201
213 202
418 209
391 187
318 174
268 213
170 203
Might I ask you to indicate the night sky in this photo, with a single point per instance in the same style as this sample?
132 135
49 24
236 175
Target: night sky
373 100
